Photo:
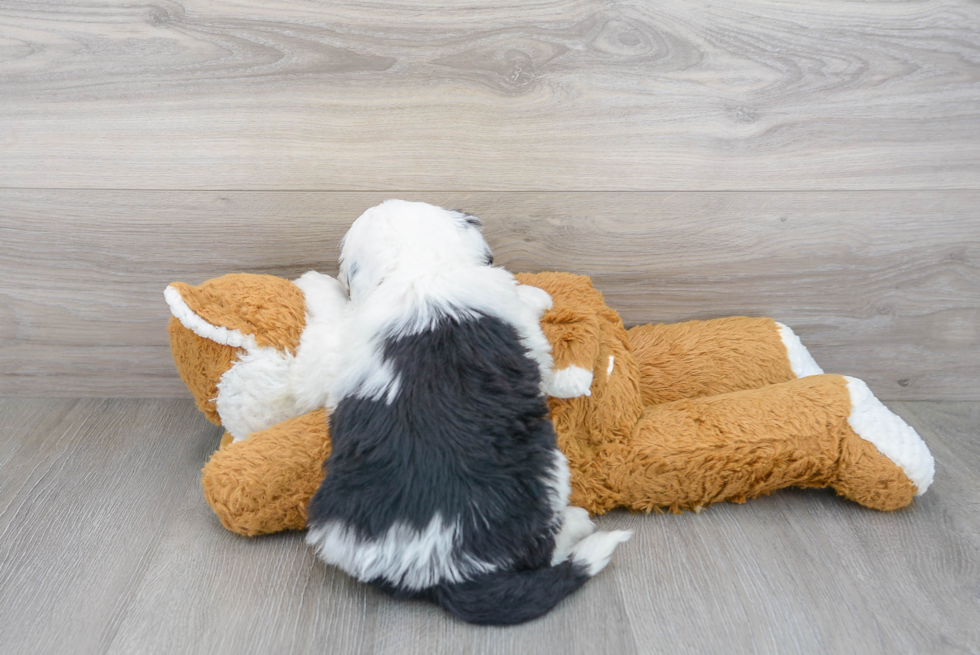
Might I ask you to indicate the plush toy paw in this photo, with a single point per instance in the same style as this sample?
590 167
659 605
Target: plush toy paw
263 484
800 359
884 462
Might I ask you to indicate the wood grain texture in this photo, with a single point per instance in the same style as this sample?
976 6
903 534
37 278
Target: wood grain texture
107 546
436 95
884 286
81 503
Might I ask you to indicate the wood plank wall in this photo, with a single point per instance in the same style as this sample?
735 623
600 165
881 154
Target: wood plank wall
816 162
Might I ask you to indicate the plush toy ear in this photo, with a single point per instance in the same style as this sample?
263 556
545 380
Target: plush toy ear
242 311
213 323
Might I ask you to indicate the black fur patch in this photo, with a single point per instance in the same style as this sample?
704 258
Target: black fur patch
469 218
502 597
351 274
468 435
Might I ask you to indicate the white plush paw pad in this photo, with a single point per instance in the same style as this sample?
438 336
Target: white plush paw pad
893 437
570 382
800 359
593 552
575 526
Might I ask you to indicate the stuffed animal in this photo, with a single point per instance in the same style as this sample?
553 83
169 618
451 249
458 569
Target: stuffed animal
677 416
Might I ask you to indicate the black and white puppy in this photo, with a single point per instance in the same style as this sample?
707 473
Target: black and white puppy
445 482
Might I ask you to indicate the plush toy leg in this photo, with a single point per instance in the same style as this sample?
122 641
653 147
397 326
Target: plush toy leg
705 358
263 484
818 431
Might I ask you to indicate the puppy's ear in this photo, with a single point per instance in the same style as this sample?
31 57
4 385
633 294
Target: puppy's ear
350 276
474 225
469 219
360 251
356 279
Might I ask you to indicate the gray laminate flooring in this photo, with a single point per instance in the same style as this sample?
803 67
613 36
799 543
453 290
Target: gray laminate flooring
107 546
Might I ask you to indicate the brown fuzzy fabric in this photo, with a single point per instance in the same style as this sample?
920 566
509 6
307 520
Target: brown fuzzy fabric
704 358
687 454
740 424
201 363
263 485
270 308
691 414
585 332
867 477
572 323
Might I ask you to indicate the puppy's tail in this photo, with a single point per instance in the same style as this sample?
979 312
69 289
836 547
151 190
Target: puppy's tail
509 597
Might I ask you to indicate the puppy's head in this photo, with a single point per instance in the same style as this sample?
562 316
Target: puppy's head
405 238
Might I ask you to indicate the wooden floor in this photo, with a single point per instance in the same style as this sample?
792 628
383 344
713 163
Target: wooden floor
107 546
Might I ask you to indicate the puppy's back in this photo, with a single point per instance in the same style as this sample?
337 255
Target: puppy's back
450 474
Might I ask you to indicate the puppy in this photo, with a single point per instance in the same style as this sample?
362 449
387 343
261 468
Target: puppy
445 482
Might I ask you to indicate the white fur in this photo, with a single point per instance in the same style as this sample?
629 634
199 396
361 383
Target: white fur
593 552
559 483
536 298
893 437
575 526
265 386
570 382
577 538
612 363
254 394
410 558
320 346
362 371
406 264
800 359
324 295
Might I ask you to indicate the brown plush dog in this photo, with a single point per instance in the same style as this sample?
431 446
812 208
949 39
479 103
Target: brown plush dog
680 416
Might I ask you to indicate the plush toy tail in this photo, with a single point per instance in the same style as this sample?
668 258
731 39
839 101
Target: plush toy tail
510 597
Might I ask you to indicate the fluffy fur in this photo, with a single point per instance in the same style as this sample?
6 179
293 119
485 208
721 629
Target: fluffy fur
445 482
264 380
655 433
